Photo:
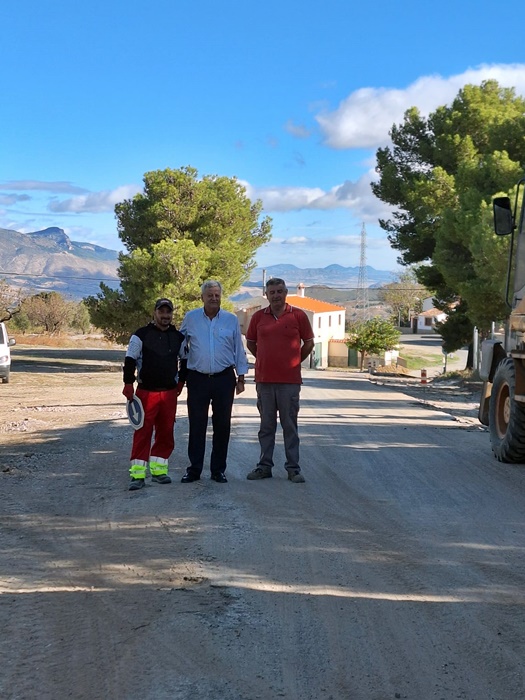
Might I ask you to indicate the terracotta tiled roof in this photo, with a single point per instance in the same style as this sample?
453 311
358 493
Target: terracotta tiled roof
430 313
308 304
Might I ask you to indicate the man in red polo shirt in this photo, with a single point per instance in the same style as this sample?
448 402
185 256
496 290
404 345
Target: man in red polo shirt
280 337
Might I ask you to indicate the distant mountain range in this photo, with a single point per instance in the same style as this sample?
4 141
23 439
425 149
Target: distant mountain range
332 275
49 260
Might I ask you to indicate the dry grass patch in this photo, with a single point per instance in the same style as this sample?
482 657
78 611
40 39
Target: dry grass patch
64 341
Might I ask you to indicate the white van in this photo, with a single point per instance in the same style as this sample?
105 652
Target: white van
5 353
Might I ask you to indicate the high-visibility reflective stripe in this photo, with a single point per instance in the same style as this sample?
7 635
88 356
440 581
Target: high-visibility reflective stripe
158 466
158 460
137 469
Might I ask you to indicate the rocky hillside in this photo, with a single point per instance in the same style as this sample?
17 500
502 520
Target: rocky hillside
322 281
331 276
49 261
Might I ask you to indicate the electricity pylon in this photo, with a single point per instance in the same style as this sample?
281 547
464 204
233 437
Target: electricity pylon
362 305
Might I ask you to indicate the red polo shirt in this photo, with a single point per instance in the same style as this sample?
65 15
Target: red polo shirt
278 342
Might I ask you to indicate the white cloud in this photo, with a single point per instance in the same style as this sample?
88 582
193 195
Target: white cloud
363 120
283 198
296 240
7 200
365 117
341 242
356 196
94 202
41 185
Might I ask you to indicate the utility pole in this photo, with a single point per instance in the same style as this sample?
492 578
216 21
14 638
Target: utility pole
362 302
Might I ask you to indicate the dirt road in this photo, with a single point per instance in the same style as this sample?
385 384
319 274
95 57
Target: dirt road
396 571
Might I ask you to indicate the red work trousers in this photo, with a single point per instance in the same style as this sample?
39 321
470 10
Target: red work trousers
160 408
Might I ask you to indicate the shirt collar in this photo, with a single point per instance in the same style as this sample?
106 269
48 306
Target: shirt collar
287 309
206 315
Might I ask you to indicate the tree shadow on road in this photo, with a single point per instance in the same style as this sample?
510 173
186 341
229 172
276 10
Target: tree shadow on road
51 360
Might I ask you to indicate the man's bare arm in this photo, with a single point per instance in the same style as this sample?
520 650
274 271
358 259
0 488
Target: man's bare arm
306 348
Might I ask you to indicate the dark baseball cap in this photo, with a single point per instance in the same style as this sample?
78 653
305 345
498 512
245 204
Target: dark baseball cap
163 302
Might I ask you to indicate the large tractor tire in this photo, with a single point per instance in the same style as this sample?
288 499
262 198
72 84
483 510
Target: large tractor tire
506 416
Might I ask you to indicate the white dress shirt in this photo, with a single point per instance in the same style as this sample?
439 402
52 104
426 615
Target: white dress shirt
213 344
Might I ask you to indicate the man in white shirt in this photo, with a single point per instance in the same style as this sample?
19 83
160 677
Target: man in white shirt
215 367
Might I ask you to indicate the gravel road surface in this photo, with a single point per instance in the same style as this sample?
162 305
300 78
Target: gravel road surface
396 571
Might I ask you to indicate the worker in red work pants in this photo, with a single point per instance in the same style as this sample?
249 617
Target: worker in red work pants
152 359
160 408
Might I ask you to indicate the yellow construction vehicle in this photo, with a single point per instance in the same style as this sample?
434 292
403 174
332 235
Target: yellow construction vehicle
502 406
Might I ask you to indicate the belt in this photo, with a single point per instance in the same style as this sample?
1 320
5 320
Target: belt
155 388
215 374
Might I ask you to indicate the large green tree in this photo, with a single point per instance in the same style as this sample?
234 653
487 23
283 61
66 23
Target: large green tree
440 175
179 231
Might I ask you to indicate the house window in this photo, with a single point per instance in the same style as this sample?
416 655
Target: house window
339 321
330 321
428 321
319 323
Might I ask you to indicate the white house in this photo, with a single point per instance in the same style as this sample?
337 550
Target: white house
427 319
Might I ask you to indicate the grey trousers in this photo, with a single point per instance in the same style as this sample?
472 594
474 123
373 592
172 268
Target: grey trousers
282 399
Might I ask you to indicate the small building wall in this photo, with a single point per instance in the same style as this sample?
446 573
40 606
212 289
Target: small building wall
426 324
340 355
329 324
327 327
337 354
390 357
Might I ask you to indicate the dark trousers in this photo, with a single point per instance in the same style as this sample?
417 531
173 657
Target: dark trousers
203 390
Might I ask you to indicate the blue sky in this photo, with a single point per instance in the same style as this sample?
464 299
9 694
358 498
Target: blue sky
292 98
